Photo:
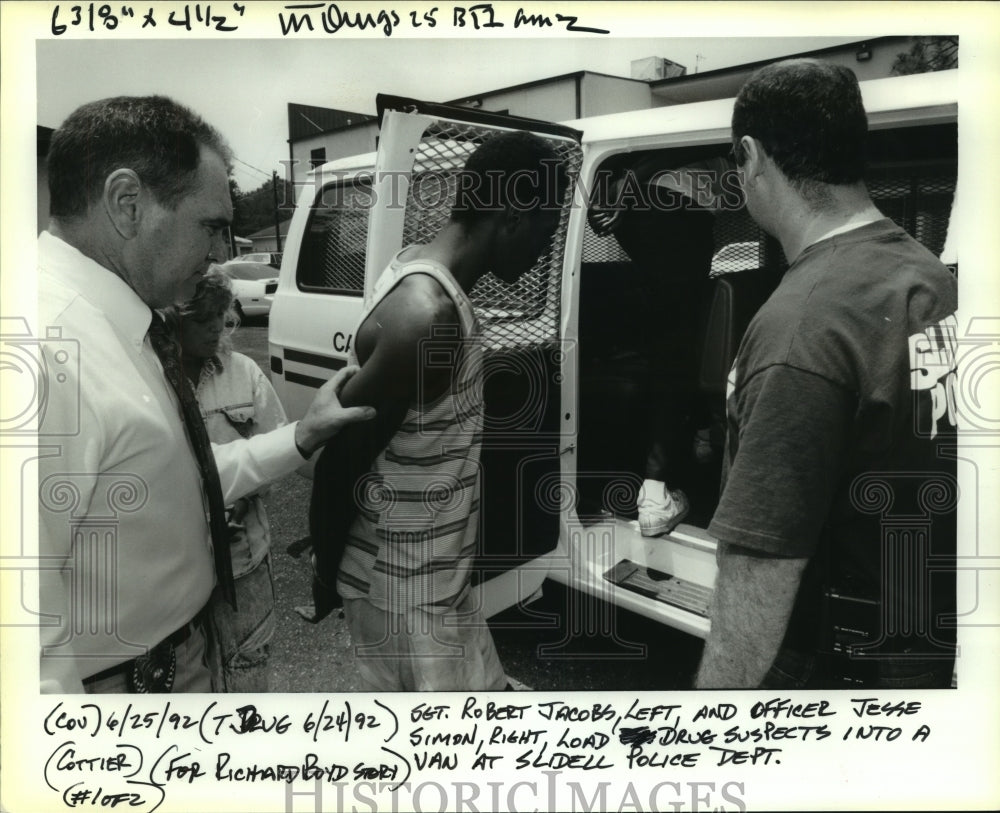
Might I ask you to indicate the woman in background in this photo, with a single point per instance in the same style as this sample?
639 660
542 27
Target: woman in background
237 401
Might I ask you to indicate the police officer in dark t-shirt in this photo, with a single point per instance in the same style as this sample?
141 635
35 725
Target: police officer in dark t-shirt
837 517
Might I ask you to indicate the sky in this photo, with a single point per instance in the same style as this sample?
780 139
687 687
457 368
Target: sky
243 86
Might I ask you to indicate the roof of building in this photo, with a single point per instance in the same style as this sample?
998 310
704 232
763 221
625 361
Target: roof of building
750 67
548 80
718 83
268 231
306 120
304 113
724 83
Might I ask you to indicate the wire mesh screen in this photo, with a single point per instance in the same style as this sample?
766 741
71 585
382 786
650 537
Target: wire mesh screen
918 199
527 312
598 249
332 257
738 243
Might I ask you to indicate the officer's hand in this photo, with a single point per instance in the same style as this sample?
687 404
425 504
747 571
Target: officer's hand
325 416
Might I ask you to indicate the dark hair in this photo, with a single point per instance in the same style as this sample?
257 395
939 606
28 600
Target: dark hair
809 118
512 169
152 135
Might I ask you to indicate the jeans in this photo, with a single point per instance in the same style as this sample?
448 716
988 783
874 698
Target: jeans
242 638
798 670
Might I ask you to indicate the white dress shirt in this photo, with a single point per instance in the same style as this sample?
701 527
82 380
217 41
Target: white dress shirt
125 548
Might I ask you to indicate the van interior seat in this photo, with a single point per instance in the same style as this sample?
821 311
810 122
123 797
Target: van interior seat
613 369
640 328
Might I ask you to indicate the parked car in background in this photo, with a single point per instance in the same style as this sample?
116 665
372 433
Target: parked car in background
271 258
254 284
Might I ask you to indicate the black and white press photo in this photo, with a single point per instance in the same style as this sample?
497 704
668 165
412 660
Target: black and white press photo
496 401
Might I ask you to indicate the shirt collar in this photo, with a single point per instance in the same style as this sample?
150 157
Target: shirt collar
846 228
213 366
99 286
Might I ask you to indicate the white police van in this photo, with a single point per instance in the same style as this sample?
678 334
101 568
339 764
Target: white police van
568 375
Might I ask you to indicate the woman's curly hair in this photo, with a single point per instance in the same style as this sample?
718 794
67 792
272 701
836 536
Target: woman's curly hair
214 293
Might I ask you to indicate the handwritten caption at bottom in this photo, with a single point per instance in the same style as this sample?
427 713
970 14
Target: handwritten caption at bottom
132 754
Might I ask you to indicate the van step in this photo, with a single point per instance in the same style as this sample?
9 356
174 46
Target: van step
661 586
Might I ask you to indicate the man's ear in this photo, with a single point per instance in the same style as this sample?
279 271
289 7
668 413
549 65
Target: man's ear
755 156
122 200
512 217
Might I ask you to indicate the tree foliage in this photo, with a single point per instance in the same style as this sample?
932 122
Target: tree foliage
927 54
254 210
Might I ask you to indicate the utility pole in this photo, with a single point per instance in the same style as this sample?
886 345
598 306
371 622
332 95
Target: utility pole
277 226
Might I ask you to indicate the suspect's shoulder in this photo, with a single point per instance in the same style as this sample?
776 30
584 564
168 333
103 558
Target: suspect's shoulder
417 304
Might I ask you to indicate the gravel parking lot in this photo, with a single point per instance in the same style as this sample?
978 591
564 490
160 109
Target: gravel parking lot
537 646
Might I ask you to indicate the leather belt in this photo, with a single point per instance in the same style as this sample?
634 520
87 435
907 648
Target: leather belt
175 639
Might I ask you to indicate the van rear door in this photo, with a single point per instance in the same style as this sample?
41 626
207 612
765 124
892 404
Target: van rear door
529 400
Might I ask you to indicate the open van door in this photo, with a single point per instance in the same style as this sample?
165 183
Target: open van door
529 401
559 471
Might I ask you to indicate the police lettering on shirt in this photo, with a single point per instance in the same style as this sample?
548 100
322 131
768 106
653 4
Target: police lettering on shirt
933 374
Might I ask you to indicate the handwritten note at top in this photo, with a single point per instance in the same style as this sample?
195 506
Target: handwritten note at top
103 17
307 18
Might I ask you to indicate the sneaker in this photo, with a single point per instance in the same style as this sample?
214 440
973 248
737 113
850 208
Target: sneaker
660 511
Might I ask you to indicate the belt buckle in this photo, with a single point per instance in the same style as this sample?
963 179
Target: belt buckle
154 672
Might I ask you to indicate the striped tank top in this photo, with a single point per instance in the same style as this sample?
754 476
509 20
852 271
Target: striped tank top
415 536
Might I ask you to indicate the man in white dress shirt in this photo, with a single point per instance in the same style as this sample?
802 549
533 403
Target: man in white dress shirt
139 207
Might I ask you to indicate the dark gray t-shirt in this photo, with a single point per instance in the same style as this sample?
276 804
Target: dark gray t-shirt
840 412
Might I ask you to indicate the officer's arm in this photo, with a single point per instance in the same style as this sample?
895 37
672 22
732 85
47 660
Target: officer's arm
754 595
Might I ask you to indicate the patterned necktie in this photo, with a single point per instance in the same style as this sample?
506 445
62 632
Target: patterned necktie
168 350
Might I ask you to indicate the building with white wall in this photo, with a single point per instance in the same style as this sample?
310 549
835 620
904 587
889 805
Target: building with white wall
317 134
869 59
315 137
265 239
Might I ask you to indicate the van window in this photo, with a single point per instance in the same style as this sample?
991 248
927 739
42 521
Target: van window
332 256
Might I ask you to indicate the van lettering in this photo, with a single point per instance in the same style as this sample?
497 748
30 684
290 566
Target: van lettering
342 342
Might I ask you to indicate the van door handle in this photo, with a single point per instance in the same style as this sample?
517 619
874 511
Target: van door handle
569 448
